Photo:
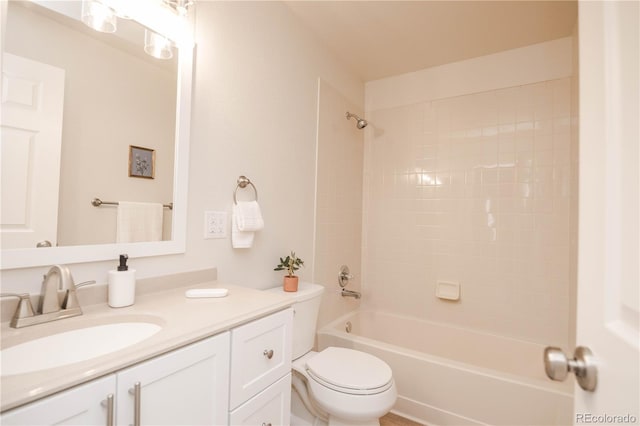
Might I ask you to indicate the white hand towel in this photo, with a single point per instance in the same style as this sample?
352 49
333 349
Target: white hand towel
139 222
239 239
249 216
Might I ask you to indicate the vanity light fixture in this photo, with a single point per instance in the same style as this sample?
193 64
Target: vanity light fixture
156 45
180 6
98 16
102 15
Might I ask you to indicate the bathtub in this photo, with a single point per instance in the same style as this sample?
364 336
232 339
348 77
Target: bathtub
453 376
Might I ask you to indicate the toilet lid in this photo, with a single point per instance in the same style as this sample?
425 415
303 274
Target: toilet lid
350 370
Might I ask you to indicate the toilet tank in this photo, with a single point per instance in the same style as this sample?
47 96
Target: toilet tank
306 305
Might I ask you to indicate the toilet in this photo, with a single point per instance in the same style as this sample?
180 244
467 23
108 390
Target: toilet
336 386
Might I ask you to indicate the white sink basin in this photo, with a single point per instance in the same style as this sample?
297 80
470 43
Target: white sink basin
73 346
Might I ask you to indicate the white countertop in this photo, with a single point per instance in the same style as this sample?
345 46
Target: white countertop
183 320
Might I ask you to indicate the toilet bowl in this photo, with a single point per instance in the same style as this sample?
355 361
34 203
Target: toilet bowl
352 387
337 385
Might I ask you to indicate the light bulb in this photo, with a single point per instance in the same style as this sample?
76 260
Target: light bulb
99 16
157 45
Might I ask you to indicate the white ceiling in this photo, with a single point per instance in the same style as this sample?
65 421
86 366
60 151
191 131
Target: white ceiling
378 39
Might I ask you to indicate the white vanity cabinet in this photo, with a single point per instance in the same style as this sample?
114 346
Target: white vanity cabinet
237 377
87 404
188 386
260 385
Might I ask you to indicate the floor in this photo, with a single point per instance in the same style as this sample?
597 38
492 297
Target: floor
395 420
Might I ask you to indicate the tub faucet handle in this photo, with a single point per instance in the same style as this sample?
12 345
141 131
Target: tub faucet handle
344 276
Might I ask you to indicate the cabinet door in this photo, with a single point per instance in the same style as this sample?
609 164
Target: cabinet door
188 386
270 407
260 355
83 405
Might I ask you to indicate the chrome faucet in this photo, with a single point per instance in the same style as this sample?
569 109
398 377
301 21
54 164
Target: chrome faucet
58 299
58 282
343 279
51 286
351 293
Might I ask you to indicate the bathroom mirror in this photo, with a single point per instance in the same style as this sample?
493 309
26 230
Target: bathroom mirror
112 112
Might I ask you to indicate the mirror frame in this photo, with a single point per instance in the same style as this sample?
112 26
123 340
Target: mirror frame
159 19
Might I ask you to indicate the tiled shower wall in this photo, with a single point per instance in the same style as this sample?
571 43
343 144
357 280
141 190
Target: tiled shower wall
340 147
477 190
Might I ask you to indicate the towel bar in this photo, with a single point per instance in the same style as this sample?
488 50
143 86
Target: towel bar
97 202
243 181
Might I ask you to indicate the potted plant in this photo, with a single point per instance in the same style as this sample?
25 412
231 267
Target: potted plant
291 263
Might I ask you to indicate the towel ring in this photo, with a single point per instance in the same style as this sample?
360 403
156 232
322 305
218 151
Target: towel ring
243 181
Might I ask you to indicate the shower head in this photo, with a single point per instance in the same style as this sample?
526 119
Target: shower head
361 123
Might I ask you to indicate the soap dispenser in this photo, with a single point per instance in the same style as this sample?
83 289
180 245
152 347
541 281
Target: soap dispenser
122 285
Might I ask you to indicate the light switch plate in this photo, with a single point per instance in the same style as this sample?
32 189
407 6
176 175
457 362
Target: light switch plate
215 224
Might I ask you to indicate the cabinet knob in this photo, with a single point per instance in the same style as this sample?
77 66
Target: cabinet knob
266 424
268 353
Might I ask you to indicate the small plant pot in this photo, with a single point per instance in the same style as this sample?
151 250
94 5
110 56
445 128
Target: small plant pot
290 283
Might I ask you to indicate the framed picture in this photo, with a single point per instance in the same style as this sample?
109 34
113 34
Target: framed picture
142 162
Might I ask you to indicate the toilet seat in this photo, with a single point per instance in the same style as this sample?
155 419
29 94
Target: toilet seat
350 371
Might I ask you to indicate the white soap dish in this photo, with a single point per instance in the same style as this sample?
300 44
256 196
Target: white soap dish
195 293
448 290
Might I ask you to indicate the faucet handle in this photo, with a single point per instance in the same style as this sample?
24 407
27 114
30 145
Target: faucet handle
71 298
24 308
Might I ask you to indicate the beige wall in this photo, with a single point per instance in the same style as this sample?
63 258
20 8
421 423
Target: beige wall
254 113
112 100
474 188
338 200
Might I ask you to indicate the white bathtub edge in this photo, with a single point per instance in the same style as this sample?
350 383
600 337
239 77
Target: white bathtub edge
333 329
510 406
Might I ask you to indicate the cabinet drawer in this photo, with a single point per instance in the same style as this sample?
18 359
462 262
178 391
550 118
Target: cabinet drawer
260 355
272 406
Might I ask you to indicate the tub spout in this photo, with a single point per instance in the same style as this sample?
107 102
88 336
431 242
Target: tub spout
351 293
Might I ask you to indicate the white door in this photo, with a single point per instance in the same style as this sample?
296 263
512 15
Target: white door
609 258
31 125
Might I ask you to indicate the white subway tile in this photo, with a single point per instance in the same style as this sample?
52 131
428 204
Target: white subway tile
467 186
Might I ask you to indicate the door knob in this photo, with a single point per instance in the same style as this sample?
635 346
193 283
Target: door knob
583 365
